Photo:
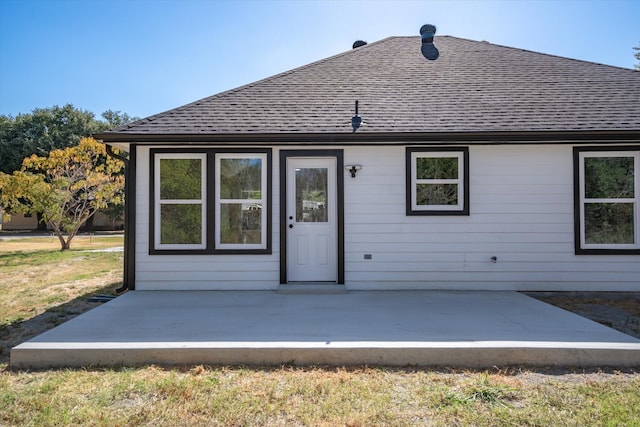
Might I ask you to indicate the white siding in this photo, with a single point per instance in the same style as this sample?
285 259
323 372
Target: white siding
199 272
521 212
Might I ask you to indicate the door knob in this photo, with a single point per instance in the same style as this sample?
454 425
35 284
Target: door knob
290 225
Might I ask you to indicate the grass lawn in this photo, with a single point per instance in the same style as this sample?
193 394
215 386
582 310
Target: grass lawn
318 396
35 276
41 286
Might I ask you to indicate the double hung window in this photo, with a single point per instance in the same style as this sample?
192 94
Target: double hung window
437 181
240 201
607 200
210 201
180 201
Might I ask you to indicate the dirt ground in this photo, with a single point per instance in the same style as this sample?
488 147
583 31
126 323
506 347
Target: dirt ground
617 310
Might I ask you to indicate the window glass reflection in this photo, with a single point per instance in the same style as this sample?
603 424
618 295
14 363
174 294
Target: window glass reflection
311 194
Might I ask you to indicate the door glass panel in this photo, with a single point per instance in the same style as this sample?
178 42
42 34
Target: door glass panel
311 194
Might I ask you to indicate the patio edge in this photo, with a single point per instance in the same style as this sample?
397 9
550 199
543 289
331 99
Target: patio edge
26 356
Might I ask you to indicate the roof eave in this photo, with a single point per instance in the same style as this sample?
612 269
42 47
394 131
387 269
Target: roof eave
371 138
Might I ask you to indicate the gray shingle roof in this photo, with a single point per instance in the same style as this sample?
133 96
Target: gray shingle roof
473 86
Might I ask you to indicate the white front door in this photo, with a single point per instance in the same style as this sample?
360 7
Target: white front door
312 232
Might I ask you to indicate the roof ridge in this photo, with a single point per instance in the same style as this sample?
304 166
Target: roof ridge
247 86
543 53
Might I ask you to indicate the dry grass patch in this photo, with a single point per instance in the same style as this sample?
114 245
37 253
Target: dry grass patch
318 397
9 243
41 288
50 279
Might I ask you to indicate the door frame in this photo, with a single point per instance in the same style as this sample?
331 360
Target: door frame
336 154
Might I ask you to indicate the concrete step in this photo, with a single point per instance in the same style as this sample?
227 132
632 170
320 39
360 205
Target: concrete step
312 288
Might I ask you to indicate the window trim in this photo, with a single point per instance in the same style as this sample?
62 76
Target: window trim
209 218
579 154
462 153
263 200
158 202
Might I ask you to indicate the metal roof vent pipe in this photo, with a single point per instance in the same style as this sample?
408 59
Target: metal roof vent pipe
358 43
356 120
429 51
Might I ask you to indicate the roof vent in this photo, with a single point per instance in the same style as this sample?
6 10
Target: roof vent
356 120
429 51
358 43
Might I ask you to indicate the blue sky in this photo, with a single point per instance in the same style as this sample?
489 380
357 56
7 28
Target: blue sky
143 57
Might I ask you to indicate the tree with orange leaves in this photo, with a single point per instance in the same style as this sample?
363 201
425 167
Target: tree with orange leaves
67 187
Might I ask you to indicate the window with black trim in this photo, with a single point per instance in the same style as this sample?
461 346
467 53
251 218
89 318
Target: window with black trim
210 201
437 181
180 202
241 189
607 200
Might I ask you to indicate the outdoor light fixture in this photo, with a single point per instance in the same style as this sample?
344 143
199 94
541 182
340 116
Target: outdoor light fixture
353 169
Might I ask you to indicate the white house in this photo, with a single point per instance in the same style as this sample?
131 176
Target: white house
488 168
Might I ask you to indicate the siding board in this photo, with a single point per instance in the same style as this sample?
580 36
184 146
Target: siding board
521 212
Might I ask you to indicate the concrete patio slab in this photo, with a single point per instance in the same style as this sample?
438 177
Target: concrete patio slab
428 328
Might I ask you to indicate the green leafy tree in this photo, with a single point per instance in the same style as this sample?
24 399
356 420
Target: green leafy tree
46 129
43 130
67 187
116 118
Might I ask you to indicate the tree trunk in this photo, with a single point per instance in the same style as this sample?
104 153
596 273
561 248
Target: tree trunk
64 244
